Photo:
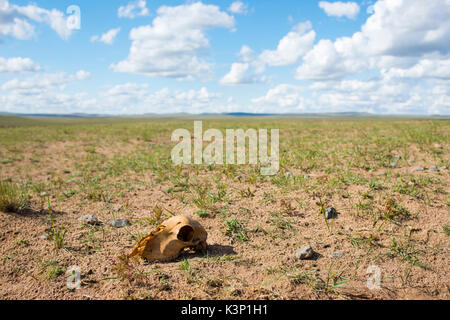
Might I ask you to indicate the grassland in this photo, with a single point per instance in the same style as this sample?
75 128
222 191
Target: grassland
391 216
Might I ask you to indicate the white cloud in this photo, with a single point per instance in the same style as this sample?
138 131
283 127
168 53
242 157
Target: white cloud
370 9
385 96
125 95
108 37
284 98
47 102
408 28
382 96
18 65
346 86
340 9
50 93
294 45
238 7
137 98
44 94
44 82
246 54
397 32
133 10
83 75
240 74
16 21
324 62
425 68
290 48
171 47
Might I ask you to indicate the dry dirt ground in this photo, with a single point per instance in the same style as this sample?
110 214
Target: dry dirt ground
392 219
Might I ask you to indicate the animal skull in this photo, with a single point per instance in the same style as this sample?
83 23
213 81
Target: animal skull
168 240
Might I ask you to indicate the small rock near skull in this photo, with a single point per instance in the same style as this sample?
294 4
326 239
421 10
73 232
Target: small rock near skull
89 219
337 254
120 223
304 253
331 213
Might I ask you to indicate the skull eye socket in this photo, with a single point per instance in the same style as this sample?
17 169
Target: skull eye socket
186 234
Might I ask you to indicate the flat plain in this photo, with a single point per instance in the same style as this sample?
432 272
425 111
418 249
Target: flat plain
387 177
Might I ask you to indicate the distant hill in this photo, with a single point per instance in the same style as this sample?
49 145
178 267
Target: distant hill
229 114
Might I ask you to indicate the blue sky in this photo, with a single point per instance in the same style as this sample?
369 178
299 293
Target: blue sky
287 56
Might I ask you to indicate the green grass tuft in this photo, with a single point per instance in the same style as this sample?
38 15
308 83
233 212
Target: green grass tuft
13 197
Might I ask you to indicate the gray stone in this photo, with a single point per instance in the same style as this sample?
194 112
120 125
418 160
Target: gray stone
443 168
331 213
337 254
393 164
304 253
45 236
120 223
418 169
434 169
89 219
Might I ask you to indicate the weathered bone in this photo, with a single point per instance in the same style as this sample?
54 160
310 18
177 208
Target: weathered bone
166 242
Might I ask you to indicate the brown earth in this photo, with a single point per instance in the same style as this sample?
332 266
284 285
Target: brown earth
411 254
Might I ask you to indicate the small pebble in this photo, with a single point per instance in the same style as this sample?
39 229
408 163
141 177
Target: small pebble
330 213
89 219
120 223
304 253
418 169
337 254
434 169
45 236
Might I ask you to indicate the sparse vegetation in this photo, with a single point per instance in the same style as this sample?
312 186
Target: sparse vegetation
56 170
236 230
128 270
13 197
446 229
392 210
407 251
51 269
